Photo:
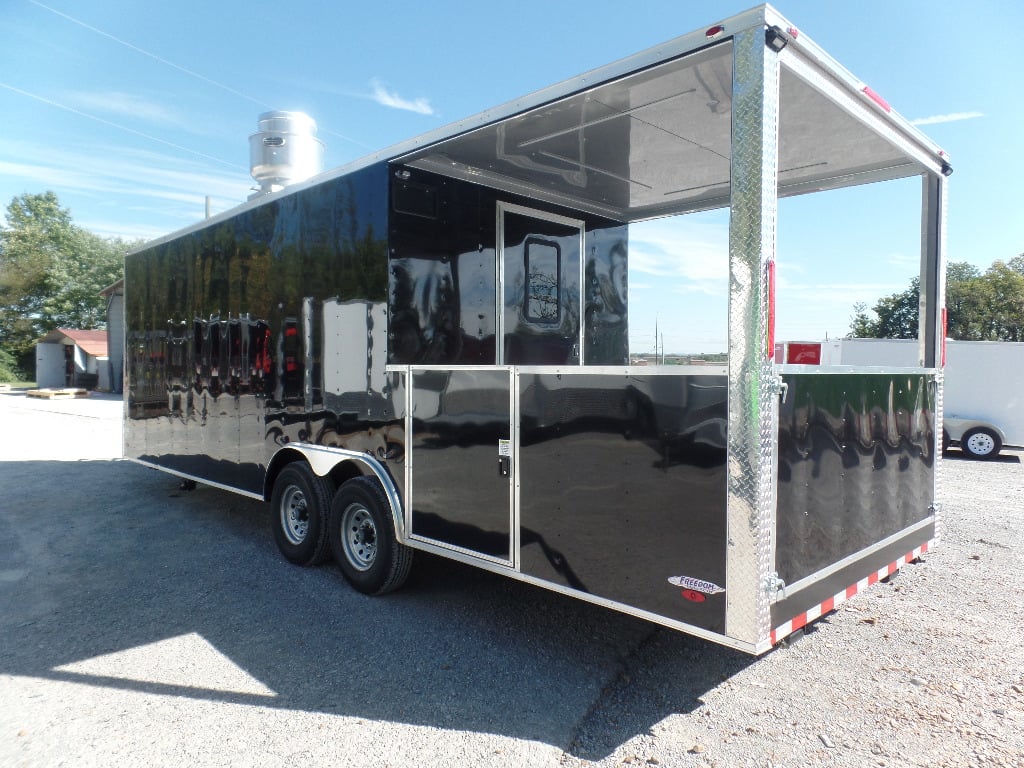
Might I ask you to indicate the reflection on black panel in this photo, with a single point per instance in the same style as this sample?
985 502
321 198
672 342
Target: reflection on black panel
856 465
623 487
443 287
459 495
226 333
414 199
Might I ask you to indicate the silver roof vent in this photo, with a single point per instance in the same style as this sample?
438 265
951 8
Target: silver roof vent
284 150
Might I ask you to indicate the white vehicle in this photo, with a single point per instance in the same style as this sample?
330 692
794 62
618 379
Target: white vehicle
982 394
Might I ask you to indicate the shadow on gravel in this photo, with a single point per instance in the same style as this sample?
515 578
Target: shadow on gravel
1002 458
110 557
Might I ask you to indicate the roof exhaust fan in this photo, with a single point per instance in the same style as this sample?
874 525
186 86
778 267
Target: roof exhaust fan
284 150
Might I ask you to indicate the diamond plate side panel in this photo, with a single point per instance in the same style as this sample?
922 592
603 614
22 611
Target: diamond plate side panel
937 488
753 411
940 260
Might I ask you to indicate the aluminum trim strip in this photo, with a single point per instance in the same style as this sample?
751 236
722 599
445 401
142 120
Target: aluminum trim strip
406 375
513 186
499 568
801 620
534 213
845 180
499 282
713 369
407 369
791 589
455 552
806 46
825 370
513 488
627 370
671 49
851 102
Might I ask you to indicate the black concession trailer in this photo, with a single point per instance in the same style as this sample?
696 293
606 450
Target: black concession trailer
427 349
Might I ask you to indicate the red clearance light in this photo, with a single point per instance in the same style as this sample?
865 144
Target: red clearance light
793 32
770 345
876 98
714 31
945 330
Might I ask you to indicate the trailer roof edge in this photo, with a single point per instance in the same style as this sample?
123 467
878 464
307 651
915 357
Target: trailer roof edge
763 15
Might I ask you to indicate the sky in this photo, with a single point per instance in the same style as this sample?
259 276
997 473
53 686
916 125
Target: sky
135 113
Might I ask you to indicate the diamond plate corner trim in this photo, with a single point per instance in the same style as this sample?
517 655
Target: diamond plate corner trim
937 405
753 410
940 377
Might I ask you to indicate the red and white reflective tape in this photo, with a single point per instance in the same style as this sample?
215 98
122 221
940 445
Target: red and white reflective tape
803 619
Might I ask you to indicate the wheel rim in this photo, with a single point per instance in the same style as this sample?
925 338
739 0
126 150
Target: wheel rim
359 537
980 444
294 515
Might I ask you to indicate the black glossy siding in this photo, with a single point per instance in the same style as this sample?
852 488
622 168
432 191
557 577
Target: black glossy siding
856 465
623 486
443 280
227 327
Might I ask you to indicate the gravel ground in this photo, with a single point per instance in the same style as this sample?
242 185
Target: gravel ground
143 625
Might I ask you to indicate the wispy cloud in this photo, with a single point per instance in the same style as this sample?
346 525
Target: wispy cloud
149 54
952 117
164 176
386 98
125 105
125 181
104 121
687 256
904 263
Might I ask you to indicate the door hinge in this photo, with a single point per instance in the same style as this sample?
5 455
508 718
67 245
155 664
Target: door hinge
776 386
775 586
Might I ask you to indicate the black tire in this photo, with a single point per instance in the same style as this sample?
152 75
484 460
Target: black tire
945 441
361 533
298 515
980 443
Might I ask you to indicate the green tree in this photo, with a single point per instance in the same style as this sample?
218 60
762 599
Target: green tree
51 272
895 316
9 371
966 302
1006 302
979 307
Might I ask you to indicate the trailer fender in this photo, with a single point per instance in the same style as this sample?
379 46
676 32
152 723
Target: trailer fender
325 461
